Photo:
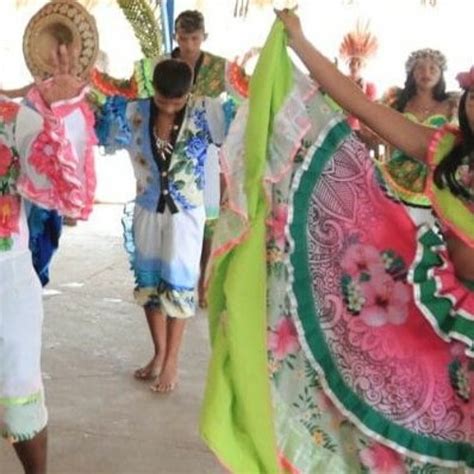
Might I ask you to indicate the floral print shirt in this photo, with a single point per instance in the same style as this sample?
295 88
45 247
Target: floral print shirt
214 77
127 125
211 77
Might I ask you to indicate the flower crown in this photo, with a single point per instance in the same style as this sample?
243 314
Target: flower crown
437 56
466 79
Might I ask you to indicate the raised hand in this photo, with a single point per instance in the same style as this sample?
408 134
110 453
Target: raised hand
64 84
292 25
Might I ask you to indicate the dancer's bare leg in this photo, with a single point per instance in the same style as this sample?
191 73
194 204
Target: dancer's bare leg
158 329
33 453
205 255
168 378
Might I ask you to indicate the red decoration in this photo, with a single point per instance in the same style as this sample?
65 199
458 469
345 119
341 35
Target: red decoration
102 83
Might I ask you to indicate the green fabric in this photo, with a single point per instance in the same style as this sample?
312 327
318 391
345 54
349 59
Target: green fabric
451 210
210 80
440 311
373 420
12 401
143 75
407 176
237 418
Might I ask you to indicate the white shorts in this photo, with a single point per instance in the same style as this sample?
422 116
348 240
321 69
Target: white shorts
165 253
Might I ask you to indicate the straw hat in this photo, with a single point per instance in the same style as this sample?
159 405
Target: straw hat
60 22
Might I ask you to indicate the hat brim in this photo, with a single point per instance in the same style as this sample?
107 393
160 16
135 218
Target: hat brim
60 22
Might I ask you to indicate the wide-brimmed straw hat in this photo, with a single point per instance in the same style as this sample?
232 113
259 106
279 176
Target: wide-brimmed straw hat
60 22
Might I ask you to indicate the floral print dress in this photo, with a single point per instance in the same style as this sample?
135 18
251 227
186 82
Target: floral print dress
355 358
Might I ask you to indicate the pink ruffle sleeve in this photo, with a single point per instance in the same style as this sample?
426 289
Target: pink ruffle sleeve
57 164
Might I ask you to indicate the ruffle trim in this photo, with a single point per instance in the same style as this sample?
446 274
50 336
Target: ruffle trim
89 163
237 81
112 129
143 77
443 299
408 196
179 304
61 108
127 228
438 146
53 157
291 124
19 437
111 87
368 421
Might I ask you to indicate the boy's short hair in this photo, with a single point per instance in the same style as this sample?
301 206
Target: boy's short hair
172 78
190 21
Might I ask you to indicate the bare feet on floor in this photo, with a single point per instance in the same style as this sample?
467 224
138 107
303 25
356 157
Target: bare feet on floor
168 379
151 371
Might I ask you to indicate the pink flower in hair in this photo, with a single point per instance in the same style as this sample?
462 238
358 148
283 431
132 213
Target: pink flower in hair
466 79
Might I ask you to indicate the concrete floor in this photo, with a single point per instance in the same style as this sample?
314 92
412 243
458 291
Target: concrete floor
101 420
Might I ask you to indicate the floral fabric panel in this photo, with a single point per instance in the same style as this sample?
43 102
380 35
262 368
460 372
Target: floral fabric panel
55 144
313 434
186 171
357 316
211 79
10 203
406 176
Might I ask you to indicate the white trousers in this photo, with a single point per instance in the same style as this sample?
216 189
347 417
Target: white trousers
21 319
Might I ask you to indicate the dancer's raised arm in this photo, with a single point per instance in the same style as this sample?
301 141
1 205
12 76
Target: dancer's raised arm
410 137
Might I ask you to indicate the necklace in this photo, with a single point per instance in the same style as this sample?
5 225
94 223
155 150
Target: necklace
426 109
422 112
165 146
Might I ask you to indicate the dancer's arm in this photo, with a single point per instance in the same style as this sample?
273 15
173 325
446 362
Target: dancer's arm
54 137
16 93
402 133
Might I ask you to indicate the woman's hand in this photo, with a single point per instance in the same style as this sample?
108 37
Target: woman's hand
292 25
64 84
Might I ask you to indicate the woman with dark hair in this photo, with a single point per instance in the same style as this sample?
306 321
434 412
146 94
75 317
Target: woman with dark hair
423 99
446 170
425 87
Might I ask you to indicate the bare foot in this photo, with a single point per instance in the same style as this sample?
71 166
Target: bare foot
151 371
168 379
